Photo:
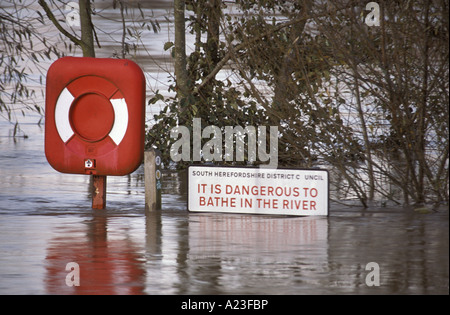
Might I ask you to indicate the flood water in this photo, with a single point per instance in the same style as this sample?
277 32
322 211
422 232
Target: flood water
46 223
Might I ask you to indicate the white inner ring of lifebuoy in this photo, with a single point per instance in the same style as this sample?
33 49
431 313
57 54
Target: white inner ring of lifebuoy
66 132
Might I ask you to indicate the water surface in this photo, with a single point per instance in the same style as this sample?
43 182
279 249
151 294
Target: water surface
46 222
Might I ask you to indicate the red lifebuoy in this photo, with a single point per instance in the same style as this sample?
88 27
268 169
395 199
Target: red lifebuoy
94 107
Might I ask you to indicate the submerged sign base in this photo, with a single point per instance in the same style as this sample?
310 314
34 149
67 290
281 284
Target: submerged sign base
300 192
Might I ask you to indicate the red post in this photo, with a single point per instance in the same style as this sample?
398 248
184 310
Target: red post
99 192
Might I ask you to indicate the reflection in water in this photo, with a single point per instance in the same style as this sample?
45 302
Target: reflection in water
411 250
108 265
255 254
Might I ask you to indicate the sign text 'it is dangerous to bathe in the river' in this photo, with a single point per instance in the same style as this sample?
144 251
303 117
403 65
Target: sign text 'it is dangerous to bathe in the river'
258 191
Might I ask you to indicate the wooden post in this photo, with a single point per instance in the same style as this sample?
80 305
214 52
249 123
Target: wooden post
98 192
152 174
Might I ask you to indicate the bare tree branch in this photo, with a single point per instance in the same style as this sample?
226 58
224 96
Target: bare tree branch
55 22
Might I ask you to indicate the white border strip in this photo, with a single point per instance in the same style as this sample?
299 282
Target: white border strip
120 120
62 109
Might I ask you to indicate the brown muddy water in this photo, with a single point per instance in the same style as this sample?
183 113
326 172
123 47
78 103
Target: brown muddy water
46 222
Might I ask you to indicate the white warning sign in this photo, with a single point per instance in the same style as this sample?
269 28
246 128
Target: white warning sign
258 191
